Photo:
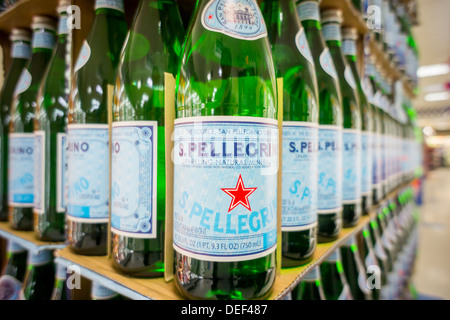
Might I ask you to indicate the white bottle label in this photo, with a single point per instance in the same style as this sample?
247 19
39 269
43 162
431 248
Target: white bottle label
83 57
43 39
240 19
299 204
21 170
330 169
110 4
303 46
327 63
331 32
351 155
348 74
308 11
349 47
21 50
61 162
24 82
225 187
133 178
88 179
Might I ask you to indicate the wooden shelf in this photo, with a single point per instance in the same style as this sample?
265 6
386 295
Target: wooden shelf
100 269
352 17
27 239
21 14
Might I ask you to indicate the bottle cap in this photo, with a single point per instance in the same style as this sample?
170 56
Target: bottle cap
334 256
61 271
100 292
14 247
62 6
332 15
20 34
40 258
349 33
43 22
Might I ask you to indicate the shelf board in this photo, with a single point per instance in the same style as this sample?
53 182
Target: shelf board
291 277
21 14
352 17
100 269
27 239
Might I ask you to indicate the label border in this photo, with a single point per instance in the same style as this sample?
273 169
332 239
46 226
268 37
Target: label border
154 215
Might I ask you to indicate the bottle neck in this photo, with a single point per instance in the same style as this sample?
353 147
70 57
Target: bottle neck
281 19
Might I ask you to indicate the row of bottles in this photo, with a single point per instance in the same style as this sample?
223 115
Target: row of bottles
372 265
7 4
391 25
34 276
60 150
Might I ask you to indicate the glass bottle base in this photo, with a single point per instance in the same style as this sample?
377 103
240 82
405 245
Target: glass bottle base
366 204
242 280
4 214
351 214
21 219
298 247
376 197
330 225
141 258
87 239
46 231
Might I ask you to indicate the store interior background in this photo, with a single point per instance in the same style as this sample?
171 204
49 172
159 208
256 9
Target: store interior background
432 278
432 33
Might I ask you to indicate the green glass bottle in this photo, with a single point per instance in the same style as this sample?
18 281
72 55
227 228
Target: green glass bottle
20 55
14 272
310 288
373 270
138 178
294 63
88 130
379 103
351 137
225 155
21 138
60 290
350 36
99 292
334 282
329 197
380 253
354 270
38 284
370 89
50 142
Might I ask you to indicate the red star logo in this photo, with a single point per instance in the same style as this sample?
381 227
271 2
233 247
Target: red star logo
210 17
239 195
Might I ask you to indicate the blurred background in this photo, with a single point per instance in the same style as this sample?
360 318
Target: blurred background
432 104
